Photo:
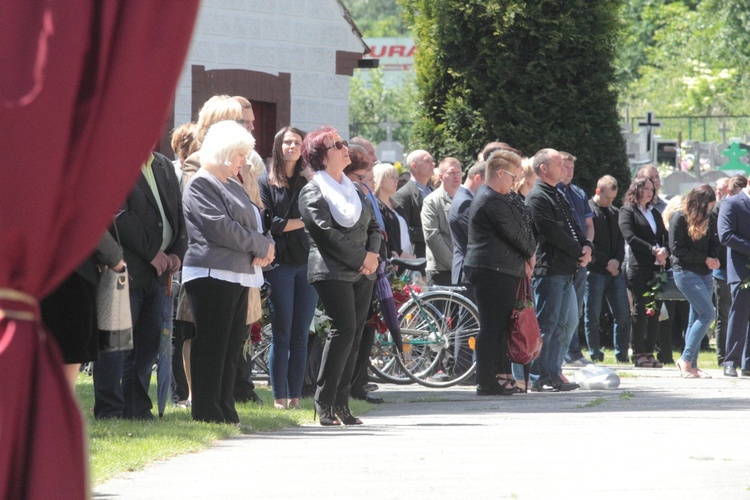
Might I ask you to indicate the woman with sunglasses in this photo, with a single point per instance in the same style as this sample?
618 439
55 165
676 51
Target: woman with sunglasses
293 298
344 244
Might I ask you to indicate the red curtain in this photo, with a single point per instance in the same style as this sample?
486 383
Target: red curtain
84 90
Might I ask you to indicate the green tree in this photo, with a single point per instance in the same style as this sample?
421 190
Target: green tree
371 102
531 73
377 18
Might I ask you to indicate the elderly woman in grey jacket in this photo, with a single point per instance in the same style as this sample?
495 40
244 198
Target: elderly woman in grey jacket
226 250
344 244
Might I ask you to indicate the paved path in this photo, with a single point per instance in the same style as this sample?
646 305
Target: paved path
657 436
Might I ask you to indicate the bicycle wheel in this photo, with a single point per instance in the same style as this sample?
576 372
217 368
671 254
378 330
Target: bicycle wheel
383 361
442 350
261 351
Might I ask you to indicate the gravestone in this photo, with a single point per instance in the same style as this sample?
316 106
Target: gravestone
389 151
711 176
666 152
679 182
734 165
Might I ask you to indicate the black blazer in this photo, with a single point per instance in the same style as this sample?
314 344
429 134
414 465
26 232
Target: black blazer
608 240
140 225
336 252
458 220
497 239
408 202
640 237
392 229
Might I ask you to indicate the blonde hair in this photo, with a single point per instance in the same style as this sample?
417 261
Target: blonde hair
216 109
222 140
380 172
674 204
527 173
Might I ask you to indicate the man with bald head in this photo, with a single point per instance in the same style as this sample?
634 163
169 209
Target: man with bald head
409 199
562 250
368 147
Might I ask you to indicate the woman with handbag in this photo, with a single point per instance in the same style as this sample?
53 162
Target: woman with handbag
643 229
344 244
499 254
293 298
695 255
70 310
226 250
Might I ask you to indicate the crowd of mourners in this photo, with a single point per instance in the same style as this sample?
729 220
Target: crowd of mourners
319 219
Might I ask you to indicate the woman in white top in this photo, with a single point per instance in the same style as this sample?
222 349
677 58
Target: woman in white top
386 183
226 250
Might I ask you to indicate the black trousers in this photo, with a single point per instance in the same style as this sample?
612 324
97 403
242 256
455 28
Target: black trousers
347 305
722 301
644 328
219 310
495 293
362 363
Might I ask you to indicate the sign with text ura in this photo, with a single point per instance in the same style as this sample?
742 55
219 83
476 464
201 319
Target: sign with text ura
395 54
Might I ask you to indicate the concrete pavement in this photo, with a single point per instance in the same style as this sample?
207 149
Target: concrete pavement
657 436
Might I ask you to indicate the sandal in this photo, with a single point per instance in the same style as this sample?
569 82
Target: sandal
345 415
654 362
642 361
508 385
686 370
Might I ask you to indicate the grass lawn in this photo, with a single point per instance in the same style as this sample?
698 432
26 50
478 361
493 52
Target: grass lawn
117 446
706 359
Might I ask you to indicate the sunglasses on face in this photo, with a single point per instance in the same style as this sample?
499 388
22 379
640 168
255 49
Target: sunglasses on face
338 145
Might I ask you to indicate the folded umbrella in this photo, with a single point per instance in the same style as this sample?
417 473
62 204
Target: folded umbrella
388 306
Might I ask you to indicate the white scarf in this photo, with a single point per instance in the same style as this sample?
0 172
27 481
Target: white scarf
342 198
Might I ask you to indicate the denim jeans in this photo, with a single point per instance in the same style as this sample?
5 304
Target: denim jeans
122 379
575 311
294 301
551 297
614 289
698 290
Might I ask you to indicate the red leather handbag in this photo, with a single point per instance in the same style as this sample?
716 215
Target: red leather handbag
524 337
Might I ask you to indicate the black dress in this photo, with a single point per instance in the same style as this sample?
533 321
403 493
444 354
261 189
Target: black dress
69 312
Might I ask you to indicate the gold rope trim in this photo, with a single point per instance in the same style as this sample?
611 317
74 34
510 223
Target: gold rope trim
10 294
19 315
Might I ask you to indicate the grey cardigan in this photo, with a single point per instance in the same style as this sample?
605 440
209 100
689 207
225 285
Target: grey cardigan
222 228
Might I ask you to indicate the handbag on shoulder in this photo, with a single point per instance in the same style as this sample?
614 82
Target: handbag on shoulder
113 315
524 336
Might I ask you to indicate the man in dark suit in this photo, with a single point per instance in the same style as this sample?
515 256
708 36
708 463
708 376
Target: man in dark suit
408 200
458 218
154 240
734 232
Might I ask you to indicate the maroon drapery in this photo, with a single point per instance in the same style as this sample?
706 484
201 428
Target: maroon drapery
84 89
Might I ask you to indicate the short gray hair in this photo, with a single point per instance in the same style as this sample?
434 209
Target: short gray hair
223 139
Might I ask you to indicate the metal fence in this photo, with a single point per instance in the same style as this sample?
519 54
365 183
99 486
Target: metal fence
700 128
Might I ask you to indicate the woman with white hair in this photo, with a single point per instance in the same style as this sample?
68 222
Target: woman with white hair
226 250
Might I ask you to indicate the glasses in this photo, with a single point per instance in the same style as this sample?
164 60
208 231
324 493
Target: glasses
338 145
361 177
245 123
501 171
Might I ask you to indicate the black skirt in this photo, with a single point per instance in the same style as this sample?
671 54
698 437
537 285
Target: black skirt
70 315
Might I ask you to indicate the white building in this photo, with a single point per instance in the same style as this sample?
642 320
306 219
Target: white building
291 58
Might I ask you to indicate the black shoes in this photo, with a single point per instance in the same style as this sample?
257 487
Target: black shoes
327 416
364 396
345 415
495 390
745 373
730 371
597 358
622 358
558 385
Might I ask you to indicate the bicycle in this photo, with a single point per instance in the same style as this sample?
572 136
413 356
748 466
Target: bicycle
438 329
